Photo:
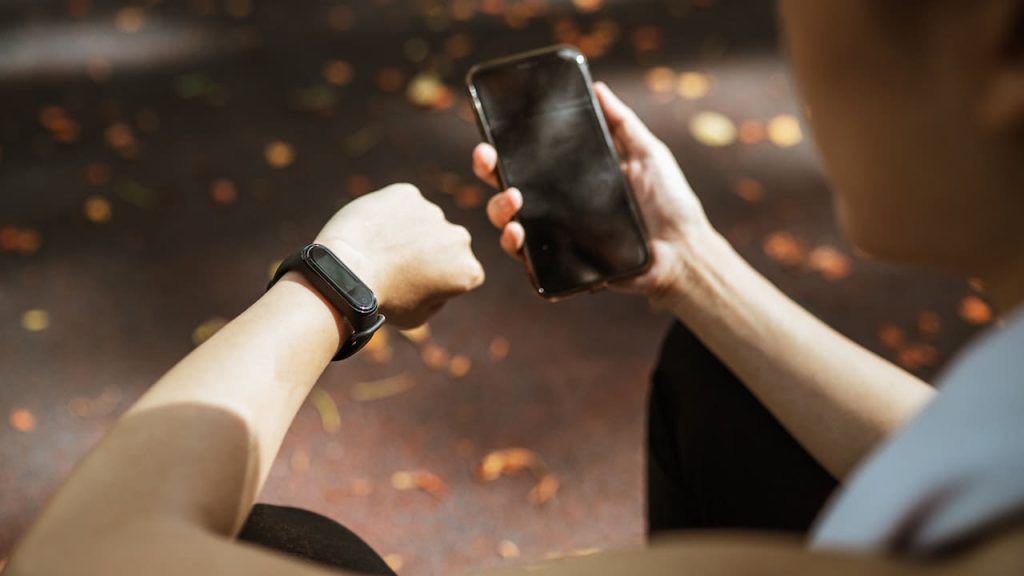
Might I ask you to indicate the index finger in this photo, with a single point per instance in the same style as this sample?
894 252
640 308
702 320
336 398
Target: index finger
485 163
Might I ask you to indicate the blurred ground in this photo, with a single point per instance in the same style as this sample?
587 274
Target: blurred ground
157 158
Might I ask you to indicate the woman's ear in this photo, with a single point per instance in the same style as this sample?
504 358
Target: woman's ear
1003 97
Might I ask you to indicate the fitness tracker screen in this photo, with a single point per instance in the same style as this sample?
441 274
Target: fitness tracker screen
342 278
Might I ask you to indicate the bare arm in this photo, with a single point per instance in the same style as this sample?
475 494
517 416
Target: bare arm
837 399
192 454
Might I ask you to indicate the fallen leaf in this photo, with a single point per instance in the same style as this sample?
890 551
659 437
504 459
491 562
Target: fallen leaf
646 40
426 90
330 417
358 185
929 324
508 549
360 487
975 311
750 190
380 389
469 196
22 420
28 242
417 335
279 154
390 79
130 20
544 490
97 210
499 348
916 356
660 79
394 561
97 174
892 336
378 349
272 268
752 132
35 320
207 329
120 136
419 480
509 462
223 191
103 405
338 72
458 46
784 131
693 85
459 366
784 248
832 264
434 356
712 129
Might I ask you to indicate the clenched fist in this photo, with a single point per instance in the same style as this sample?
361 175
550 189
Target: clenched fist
403 248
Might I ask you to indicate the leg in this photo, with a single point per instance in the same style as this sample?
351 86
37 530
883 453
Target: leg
716 457
312 537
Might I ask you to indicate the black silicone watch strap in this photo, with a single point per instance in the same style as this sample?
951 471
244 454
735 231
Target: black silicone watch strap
364 325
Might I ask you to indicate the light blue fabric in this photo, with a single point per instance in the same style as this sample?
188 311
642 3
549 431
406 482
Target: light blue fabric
955 470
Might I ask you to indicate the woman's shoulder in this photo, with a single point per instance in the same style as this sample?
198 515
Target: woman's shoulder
954 470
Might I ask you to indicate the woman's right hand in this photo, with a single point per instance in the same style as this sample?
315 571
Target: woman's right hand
675 219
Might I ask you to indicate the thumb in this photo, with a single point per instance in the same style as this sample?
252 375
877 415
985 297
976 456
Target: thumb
624 124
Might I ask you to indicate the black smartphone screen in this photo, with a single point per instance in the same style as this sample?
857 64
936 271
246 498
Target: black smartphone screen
582 228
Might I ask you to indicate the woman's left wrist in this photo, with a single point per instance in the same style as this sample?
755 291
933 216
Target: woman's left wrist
362 266
304 299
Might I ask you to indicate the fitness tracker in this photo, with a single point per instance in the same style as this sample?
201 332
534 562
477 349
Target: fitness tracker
342 288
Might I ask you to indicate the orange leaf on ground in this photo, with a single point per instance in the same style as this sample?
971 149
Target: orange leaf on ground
750 190
434 356
22 420
459 366
509 461
891 336
832 264
975 311
929 323
508 549
424 480
499 348
916 356
785 249
544 491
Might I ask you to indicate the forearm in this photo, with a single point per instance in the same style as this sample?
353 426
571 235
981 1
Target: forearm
198 445
261 366
838 399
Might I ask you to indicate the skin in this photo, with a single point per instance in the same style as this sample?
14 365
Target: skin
911 108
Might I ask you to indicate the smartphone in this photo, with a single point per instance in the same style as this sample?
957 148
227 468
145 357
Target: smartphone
583 229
